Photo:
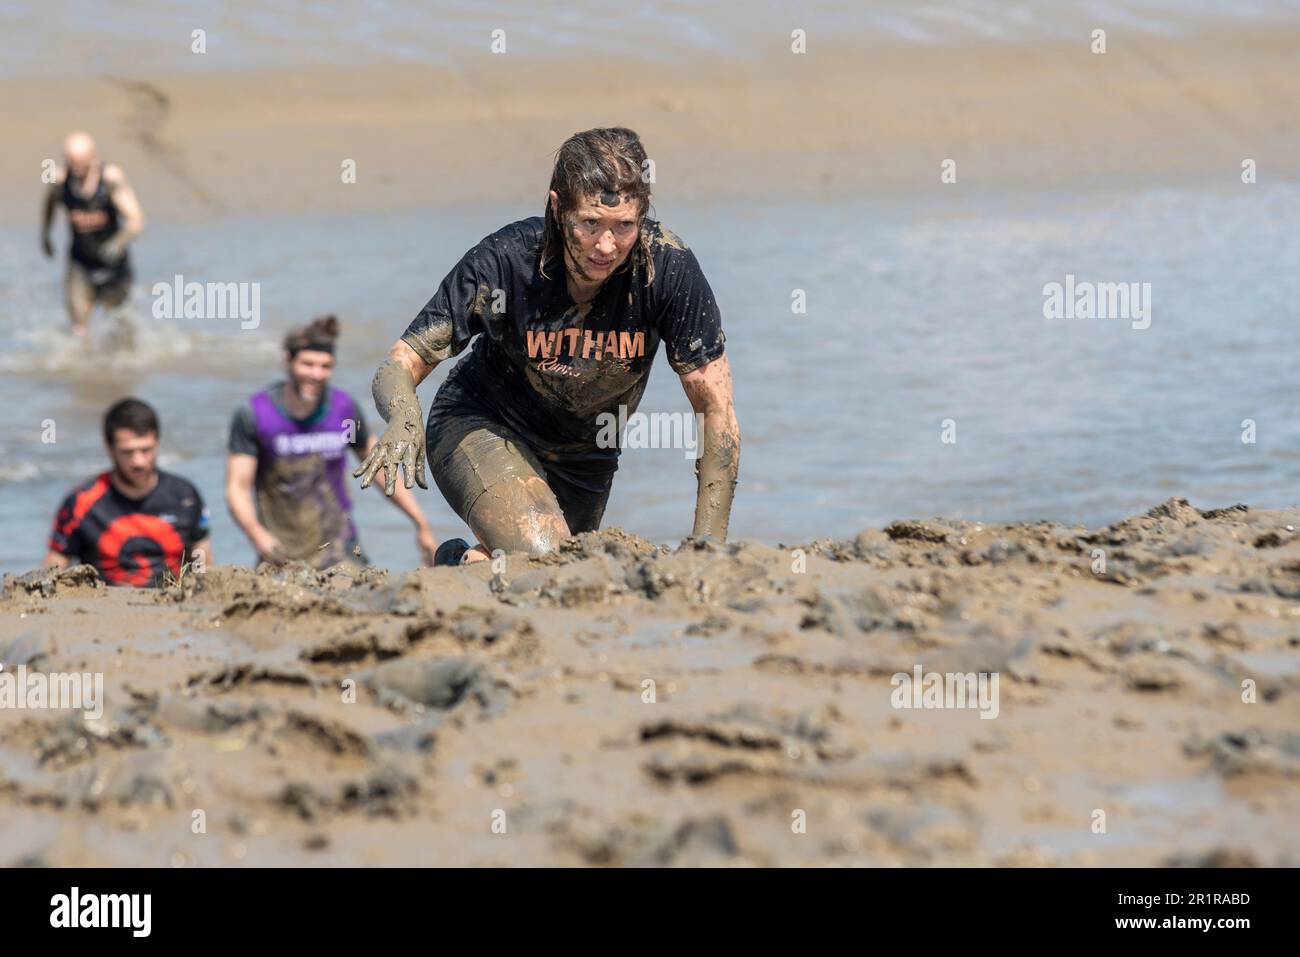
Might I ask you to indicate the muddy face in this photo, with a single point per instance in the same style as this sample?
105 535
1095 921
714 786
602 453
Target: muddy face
599 234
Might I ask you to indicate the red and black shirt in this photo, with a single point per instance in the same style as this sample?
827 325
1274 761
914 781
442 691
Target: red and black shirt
131 541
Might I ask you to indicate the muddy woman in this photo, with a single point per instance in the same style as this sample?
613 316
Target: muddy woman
563 314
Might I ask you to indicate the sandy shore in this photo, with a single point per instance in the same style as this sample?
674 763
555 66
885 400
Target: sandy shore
1153 110
519 698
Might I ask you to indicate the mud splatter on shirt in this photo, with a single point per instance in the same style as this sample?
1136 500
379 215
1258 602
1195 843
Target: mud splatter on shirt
546 366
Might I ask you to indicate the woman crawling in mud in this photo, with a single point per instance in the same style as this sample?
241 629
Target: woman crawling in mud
566 312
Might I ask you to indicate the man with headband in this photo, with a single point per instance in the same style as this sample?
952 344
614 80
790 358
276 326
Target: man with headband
285 484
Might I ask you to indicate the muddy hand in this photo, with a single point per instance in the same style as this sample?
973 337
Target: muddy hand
268 548
402 446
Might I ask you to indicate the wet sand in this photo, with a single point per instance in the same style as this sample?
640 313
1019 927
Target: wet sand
860 114
518 698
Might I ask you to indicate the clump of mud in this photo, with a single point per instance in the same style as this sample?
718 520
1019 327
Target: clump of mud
294 589
47 582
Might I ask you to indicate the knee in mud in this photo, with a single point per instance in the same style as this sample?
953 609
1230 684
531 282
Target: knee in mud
545 533
519 516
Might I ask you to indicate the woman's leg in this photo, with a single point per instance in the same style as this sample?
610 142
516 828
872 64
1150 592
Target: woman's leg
583 508
495 483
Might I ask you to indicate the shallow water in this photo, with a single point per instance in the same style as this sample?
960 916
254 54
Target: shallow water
918 311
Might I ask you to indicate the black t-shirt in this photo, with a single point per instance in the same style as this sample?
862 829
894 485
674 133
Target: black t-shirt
547 367
131 541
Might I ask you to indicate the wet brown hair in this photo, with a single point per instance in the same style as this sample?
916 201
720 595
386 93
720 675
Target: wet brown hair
318 335
606 159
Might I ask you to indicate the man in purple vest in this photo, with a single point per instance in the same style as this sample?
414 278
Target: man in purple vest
288 448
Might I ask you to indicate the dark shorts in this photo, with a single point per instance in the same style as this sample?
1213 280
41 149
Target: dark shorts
107 285
469 452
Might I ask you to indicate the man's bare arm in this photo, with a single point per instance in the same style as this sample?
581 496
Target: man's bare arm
131 216
241 472
47 214
404 499
55 559
709 390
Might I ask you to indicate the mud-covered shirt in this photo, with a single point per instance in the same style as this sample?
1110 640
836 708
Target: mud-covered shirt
131 541
547 367
301 482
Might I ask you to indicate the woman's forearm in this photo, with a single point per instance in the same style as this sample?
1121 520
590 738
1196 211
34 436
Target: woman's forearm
393 389
717 470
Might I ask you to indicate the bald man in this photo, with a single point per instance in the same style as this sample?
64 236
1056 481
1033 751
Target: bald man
104 217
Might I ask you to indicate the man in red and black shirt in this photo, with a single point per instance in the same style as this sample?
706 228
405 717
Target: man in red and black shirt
134 523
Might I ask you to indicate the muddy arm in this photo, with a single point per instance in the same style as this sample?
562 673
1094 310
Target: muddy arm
709 390
402 444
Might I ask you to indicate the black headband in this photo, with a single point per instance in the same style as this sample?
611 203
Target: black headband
316 345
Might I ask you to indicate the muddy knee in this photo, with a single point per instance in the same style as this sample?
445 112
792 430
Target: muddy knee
519 515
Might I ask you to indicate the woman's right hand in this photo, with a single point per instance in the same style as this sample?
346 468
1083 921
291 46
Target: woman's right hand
401 446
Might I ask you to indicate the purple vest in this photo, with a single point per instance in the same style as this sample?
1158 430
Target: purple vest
328 436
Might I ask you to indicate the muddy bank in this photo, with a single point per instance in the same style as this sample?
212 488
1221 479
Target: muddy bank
621 704
854 116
